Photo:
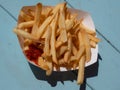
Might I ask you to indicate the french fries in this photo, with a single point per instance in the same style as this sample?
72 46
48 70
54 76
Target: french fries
80 77
37 17
86 45
27 24
47 42
64 41
52 41
68 53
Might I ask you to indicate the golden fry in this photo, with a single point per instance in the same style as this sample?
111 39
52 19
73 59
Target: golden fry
61 51
42 64
53 39
93 38
80 52
63 36
69 24
61 24
58 44
92 44
37 18
27 42
47 42
49 71
80 77
81 46
27 24
68 53
87 45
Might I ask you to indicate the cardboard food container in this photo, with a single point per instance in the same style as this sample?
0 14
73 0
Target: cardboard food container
87 22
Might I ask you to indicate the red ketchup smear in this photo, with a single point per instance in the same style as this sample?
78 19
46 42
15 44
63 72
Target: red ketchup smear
33 53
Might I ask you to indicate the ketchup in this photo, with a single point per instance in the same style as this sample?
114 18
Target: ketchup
33 53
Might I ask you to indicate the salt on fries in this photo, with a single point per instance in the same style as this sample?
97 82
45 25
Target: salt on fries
64 40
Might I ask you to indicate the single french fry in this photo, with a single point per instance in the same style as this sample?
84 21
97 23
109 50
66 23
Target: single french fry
58 44
80 52
81 46
38 10
69 42
63 36
27 42
80 39
47 41
42 64
92 44
27 24
93 38
53 39
69 24
66 56
49 71
49 63
61 51
61 24
87 45
80 77
74 49
68 53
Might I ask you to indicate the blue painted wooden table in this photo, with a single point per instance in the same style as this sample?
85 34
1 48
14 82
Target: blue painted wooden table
15 73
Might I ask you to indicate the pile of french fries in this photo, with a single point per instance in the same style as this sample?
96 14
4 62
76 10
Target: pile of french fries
65 40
